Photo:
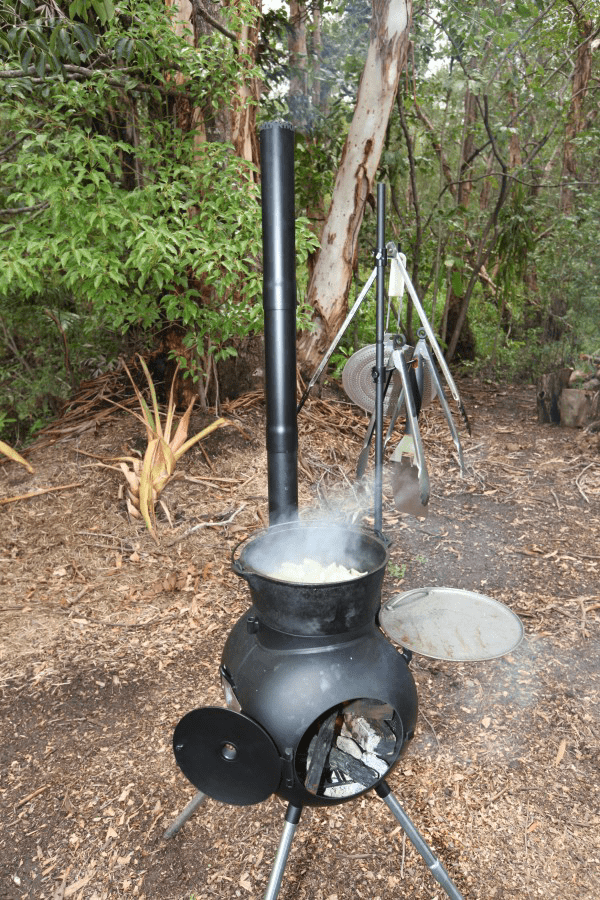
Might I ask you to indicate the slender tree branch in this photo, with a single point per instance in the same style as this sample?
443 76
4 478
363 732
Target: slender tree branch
71 69
517 115
417 211
57 322
8 228
11 147
17 210
483 248
78 73
211 21
520 40
10 342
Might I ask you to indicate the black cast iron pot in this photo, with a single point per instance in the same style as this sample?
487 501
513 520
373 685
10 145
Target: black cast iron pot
313 609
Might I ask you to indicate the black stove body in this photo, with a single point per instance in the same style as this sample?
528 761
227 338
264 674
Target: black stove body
292 685
308 662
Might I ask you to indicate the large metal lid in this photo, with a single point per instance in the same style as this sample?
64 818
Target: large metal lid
451 624
357 380
358 383
227 755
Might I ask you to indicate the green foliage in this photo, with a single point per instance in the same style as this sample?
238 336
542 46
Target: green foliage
397 571
109 211
112 218
36 377
534 301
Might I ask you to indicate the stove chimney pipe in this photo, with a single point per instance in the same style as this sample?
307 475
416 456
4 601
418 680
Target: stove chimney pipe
279 305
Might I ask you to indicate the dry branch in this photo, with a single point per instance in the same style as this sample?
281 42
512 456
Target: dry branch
38 493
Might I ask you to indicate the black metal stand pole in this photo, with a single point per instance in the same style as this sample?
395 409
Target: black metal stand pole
379 372
433 864
292 817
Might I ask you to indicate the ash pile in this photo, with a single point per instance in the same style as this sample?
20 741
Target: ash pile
353 748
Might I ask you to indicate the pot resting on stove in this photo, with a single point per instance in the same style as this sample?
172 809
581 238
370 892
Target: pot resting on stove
320 704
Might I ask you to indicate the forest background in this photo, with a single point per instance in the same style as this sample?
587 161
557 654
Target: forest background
130 195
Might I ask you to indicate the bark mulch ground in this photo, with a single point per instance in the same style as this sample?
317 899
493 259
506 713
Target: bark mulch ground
107 639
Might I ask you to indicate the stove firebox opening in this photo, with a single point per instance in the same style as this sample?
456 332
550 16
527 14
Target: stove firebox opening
349 748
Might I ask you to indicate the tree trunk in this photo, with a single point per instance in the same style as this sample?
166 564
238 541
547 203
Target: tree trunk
233 123
330 283
298 101
462 339
188 118
550 387
465 185
236 123
575 122
245 102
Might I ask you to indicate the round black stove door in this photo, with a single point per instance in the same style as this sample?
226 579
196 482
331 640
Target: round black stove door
227 756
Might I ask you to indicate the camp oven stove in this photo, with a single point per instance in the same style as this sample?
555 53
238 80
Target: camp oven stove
319 703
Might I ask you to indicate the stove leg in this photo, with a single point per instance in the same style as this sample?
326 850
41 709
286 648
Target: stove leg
435 866
183 816
292 817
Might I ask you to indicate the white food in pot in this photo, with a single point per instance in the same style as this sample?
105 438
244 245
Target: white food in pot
312 572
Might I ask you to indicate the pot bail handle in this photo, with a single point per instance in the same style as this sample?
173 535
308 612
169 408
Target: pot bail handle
236 563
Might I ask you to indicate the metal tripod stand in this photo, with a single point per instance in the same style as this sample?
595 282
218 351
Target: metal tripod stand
292 818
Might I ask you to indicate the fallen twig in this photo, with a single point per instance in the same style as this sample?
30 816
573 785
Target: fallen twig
216 524
577 480
155 621
31 796
38 493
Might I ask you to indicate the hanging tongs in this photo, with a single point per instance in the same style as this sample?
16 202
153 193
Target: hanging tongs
408 470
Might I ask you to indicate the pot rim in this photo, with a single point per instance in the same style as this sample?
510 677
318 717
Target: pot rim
245 570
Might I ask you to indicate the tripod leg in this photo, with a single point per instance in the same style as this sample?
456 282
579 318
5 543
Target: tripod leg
183 816
433 863
292 817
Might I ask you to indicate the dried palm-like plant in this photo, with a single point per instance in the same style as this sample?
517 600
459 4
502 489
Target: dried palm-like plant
12 454
147 477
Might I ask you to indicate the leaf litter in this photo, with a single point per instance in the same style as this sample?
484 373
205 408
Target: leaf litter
107 639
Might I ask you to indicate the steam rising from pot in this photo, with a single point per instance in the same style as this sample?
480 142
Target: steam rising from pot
315 553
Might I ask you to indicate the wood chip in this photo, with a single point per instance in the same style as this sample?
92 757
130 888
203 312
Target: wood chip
560 752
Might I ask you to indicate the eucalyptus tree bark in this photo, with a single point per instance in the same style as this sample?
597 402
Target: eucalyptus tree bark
576 120
298 99
235 123
330 282
188 117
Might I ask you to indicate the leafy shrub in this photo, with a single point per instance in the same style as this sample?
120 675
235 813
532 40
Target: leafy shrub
111 215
